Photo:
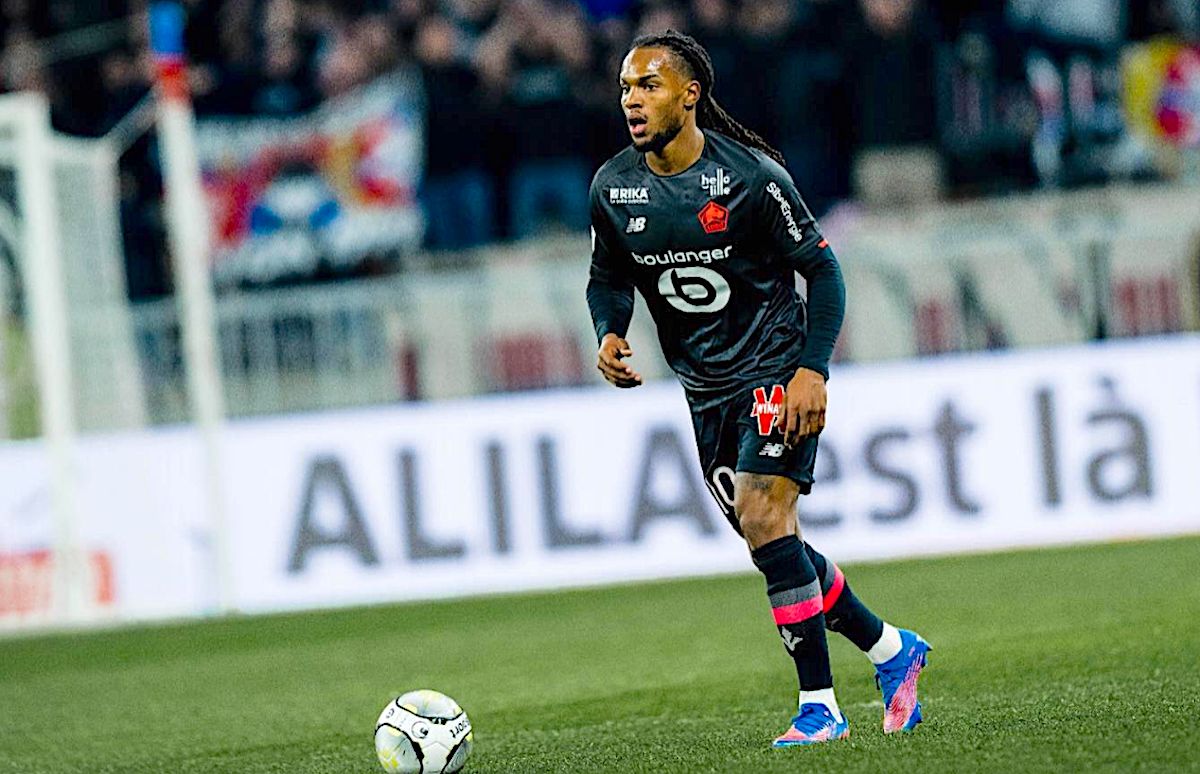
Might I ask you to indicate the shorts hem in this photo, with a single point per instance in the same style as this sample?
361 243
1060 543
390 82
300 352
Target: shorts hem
805 483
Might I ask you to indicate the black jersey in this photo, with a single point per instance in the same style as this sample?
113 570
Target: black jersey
713 250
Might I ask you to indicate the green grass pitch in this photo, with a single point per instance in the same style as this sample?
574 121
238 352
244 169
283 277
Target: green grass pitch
1078 659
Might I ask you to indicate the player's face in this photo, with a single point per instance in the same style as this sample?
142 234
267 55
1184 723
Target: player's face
655 97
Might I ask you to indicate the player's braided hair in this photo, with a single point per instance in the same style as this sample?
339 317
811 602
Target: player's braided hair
709 114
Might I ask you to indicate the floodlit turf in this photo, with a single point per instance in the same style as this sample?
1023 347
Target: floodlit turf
1059 660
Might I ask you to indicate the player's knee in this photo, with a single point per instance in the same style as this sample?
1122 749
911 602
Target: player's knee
764 509
761 520
760 528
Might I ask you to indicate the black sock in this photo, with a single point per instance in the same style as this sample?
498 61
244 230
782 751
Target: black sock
795 595
844 612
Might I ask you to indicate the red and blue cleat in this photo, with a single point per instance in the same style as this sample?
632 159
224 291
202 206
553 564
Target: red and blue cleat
813 723
897 679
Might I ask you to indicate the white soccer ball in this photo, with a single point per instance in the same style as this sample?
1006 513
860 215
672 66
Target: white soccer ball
423 731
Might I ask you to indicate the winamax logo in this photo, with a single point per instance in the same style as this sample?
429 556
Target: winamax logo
766 408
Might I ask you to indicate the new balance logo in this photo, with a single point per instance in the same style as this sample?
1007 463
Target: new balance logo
771 450
636 225
717 185
790 641
629 196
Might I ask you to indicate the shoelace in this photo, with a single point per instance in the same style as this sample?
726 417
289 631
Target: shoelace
811 718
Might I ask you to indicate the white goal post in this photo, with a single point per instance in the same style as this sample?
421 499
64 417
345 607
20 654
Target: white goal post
26 149
64 304
63 297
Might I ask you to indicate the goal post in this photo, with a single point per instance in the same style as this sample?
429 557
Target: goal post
27 151
65 316
69 362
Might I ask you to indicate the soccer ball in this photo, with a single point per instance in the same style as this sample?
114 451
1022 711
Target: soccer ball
423 731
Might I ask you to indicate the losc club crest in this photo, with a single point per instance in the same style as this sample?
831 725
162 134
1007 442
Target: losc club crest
713 218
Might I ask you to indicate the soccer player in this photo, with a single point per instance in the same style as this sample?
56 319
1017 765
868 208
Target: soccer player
699 215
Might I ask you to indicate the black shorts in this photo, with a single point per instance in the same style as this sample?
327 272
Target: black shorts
739 435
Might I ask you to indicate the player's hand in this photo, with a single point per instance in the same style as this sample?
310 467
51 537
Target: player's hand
803 411
608 362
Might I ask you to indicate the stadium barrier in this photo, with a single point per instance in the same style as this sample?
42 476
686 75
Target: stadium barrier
570 488
1032 271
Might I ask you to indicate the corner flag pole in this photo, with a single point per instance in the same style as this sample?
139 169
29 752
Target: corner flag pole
187 217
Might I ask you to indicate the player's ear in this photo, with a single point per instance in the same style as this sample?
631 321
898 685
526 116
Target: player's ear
691 95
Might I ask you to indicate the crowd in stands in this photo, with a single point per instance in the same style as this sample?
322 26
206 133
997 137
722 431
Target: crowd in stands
522 94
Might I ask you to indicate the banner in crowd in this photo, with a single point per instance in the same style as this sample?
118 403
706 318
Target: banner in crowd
315 194
550 490
1162 91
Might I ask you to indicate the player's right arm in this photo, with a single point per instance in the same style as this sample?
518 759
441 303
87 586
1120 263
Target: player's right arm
610 299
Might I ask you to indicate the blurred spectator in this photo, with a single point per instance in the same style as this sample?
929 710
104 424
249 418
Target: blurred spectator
750 87
125 83
473 18
537 54
659 16
601 93
955 17
375 36
712 25
457 192
234 60
522 103
814 102
1072 22
1164 17
344 65
602 10
891 70
22 62
286 87
891 75
1071 62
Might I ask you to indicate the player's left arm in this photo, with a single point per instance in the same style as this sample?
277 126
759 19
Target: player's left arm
794 233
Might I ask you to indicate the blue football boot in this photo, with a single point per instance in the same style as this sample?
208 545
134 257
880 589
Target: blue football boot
813 723
897 679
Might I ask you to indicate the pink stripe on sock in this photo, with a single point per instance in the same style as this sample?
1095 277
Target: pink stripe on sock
835 590
801 611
